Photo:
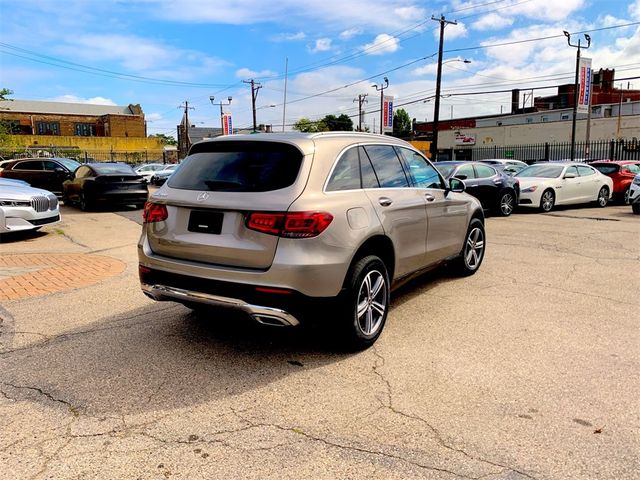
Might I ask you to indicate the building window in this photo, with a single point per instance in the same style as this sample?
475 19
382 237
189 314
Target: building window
529 120
48 128
544 118
85 130
564 116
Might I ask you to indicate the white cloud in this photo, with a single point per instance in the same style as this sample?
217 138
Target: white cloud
410 13
451 31
248 73
634 10
611 21
321 45
76 99
138 54
349 34
492 21
382 44
288 37
153 117
540 10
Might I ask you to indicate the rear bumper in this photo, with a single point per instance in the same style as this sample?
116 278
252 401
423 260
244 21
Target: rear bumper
260 313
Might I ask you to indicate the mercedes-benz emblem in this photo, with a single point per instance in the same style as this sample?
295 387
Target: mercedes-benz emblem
202 196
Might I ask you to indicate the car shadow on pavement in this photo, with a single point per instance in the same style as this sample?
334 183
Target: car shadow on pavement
23 236
159 357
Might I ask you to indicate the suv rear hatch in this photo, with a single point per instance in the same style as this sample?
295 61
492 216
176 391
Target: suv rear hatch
208 200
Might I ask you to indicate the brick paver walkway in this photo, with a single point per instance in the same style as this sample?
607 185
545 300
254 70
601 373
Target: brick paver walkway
34 274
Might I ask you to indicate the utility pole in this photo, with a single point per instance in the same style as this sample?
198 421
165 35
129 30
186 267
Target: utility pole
362 98
380 88
186 143
284 103
436 112
575 87
254 95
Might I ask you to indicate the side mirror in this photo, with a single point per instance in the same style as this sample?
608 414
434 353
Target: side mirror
456 185
569 175
461 177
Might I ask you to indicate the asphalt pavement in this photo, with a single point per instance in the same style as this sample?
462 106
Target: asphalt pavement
529 369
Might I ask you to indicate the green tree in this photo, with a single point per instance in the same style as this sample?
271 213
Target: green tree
343 123
4 93
401 123
165 139
309 126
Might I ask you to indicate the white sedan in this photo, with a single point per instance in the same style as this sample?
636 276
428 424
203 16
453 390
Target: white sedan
23 207
545 185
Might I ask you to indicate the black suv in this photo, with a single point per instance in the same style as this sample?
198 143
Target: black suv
45 173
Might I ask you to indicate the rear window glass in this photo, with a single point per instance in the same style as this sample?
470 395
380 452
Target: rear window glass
238 167
109 168
606 169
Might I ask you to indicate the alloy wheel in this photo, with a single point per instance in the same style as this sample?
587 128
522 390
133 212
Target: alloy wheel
506 204
548 199
474 249
603 197
372 302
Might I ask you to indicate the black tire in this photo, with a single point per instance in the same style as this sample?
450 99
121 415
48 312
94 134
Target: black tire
603 197
365 303
506 204
470 257
547 201
636 208
85 204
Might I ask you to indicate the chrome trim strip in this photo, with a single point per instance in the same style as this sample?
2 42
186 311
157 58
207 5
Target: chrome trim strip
261 314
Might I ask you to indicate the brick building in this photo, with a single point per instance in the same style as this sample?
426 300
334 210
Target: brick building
28 117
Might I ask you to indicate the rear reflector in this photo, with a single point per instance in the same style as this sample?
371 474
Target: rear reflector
279 291
154 212
291 224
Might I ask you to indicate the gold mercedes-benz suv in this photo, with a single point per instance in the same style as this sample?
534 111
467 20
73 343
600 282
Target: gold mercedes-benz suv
292 226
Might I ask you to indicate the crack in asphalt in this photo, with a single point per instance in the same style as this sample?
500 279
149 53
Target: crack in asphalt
73 409
379 363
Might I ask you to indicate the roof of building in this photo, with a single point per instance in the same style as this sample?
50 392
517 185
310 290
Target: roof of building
60 108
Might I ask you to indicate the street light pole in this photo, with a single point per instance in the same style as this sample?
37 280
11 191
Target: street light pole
575 87
229 98
380 88
436 112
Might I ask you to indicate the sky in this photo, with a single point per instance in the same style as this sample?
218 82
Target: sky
310 58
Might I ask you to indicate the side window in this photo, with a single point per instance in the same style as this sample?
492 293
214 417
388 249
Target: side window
484 171
633 168
30 165
465 172
422 173
573 170
369 179
585 171
387 166
346 173
51 166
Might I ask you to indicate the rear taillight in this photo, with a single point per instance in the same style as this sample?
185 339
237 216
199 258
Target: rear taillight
290 225
154 212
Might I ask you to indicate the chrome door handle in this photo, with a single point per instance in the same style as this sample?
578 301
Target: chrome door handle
385 201
429 197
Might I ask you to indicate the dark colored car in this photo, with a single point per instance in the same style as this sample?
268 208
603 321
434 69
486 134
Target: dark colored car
622 173
107 184
45 173
497 191
160 176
